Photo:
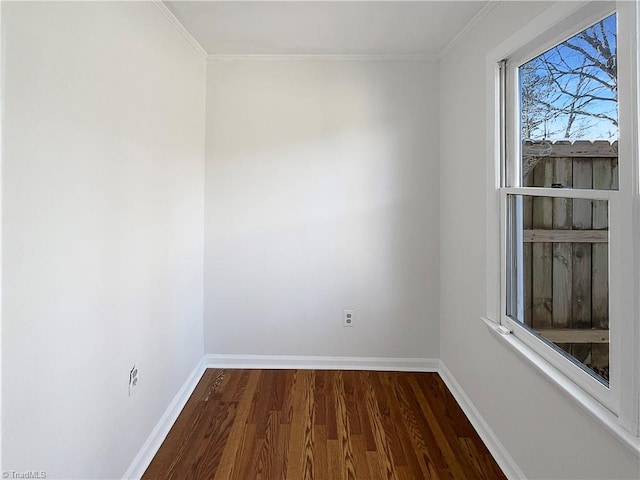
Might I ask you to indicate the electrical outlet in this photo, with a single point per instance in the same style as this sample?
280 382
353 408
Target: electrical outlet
349 317
134 378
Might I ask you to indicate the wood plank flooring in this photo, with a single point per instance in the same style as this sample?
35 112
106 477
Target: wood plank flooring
322 425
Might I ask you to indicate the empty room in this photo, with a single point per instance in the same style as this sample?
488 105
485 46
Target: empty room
322 240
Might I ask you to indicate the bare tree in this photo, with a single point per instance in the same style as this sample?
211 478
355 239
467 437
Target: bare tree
571 90
537 97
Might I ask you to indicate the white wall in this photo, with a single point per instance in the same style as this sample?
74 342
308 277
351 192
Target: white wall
322 193
549 435
102 225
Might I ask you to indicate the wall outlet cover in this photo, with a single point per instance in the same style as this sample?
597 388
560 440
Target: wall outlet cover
134 378
349 317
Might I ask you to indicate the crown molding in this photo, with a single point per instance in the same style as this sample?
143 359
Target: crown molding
319 57
484 11
471 24
180 27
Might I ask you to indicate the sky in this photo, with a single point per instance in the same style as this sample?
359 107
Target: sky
548 84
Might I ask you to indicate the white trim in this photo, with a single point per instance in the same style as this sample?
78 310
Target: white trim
561 193
568 387
153 442
500 454
151 446
322 363
2 79
320 57
621 398
566 372
532 30
625 253
471 24
635 334
180 27
589 13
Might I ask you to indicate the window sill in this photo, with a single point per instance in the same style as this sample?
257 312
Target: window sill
566 386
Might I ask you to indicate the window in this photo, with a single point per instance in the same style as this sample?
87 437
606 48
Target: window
564 190
557 247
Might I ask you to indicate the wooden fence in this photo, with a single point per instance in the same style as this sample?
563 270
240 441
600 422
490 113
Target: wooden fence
566 249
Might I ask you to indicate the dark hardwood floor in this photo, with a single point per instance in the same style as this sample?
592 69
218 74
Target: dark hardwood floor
323 425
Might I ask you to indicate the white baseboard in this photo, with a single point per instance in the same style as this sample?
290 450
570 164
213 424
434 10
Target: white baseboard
322 363
159 433
494 445
154 441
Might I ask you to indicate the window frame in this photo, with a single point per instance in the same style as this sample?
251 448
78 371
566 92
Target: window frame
617 406
607 396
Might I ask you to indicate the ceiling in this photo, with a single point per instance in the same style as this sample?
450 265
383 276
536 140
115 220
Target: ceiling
324 27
